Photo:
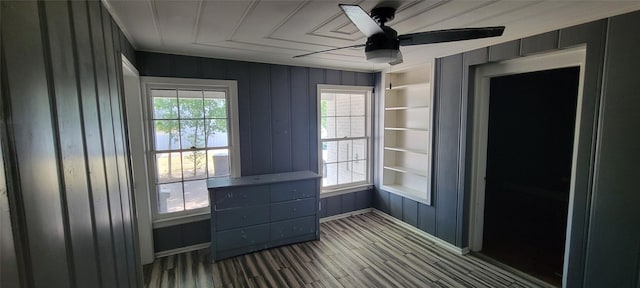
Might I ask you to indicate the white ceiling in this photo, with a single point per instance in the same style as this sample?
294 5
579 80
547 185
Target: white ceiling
273 31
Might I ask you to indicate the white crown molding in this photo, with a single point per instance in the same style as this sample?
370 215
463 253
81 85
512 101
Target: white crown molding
118 21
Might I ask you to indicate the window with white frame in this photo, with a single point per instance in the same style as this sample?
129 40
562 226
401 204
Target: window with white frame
193 129
345 136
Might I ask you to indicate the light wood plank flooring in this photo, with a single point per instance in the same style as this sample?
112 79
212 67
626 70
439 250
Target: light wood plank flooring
366 250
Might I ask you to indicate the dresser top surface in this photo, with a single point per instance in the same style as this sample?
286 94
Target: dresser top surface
213 183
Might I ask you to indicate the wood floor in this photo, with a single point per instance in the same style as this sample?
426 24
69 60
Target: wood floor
366 250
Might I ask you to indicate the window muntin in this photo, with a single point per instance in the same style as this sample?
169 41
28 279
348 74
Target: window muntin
190 128
344 136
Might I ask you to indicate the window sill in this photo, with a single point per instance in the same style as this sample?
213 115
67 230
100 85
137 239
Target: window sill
344 190
182 219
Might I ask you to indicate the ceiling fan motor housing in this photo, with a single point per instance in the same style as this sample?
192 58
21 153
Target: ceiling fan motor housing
382 47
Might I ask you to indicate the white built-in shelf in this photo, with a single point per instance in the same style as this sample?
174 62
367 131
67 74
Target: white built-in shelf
407 101
415 151
405 129
407 170
405 108
407 86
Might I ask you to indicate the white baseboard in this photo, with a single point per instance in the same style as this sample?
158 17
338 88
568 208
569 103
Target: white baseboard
446 245
182 250
344 215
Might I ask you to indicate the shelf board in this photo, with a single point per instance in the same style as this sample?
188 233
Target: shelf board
407 86
405 129
406 191
407 170
405 108
416 151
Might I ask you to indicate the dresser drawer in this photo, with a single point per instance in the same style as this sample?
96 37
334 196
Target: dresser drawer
241 237
292 228
241 217
293 209
241 196
293 190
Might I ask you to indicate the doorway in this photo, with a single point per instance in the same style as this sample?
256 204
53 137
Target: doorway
528 138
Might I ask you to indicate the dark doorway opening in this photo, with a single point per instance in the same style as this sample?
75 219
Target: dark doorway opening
529 155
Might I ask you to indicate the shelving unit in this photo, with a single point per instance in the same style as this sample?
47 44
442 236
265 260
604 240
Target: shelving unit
406 133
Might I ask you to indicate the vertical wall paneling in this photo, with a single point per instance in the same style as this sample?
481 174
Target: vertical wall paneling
447 140
316 76
72 152
427 218
593 35
110 137
614 260
395 205
504 51
124 164
239 71
410 211
539 43
37 170
9 232
278 121
63 114
300 127
281 118
348 202
87 84
212 69
333 77
261 115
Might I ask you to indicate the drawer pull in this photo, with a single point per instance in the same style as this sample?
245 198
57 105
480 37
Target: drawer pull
295 209
244 217
230 195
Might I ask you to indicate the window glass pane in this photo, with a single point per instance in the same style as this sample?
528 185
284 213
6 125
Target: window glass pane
327 105
359 171
168 167
215 107
328 129
216 133
196 194
344 150
357 105
166 136
330 152
329 174
342 104
218 162
359 150
191 134
344 172
194 165
343 127
357 127
165 104
191 104
170 198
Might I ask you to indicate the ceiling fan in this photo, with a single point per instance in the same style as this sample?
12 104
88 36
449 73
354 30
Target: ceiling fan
383 43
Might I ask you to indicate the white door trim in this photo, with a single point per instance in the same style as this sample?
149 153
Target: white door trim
135 123
560 59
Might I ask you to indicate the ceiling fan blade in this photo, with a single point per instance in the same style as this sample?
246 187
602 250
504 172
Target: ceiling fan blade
329 50
449 35
361 19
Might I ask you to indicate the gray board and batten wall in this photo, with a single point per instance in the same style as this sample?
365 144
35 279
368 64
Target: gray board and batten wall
604 244
277 107
64 145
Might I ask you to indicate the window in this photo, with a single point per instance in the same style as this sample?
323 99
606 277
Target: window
345 136
193 136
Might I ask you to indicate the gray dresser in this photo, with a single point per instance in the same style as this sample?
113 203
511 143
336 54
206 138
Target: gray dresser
252 213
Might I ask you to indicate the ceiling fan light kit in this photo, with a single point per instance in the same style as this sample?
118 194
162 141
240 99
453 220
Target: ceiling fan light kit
383 42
